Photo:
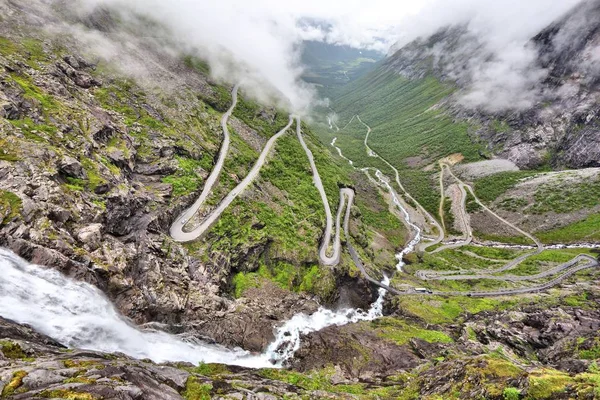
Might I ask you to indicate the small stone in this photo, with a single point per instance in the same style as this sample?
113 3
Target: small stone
91 235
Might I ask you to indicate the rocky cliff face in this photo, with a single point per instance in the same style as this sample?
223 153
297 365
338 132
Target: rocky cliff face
94 166
555 122
532 351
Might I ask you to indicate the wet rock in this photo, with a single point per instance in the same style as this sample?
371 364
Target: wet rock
40 255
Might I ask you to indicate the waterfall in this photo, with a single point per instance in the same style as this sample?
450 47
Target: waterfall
78 315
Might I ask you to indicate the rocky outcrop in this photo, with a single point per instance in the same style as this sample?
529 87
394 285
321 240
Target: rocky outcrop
34 366
359 353
99 166
72 168
558 125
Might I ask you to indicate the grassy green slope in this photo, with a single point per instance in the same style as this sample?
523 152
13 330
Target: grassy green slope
410 129
403 117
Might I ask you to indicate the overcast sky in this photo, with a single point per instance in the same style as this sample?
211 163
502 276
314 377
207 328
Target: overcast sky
263 34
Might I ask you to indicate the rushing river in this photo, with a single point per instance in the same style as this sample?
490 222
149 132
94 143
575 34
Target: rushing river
78 315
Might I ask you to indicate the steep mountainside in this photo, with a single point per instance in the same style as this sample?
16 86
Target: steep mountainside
109 131
102 147
557 124
434 98
329 65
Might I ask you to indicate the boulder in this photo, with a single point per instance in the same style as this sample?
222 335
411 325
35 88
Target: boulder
104 134
72 168
91 235
81 79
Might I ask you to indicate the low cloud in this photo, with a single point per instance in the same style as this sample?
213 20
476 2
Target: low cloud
494 60
257 42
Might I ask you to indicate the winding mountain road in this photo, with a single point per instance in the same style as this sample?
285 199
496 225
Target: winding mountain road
531 289
511 278
334 258
214 174
571 267
177 232
330 253
508 266
463 211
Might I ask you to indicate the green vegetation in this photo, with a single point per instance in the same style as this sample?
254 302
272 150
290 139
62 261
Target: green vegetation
401 332
95 179
404 122
545 383
471 204
311 279
35 51
7 153
83 364
491 187
122 96
407 130
10 206
187 179
374 213
544 261
211 369
492 252
438 310
511 393
34 131
67 394
521 240
591 351
321 380
196 64
47 102
422 186
566 199
13 351
514 204
7 47
196 390
585 230
499 126
449 217
14 384
266 123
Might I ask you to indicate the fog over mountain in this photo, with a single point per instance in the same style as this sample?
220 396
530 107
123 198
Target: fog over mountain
264 36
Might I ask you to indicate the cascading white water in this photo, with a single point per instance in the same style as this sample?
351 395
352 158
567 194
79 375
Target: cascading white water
77 314
415 241
383 181
288 337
